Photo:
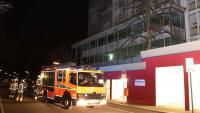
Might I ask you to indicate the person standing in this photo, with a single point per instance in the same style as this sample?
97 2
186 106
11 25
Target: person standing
25 86
13 88
38 90
20 95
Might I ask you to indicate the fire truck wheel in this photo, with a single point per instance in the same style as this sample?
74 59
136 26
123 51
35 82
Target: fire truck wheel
67 103
45 99
67 100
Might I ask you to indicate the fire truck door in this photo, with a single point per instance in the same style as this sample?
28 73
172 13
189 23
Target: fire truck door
58 82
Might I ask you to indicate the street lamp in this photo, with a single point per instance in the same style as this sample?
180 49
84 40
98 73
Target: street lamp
56 63
0 70
27 72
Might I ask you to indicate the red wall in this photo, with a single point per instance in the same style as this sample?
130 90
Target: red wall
137 94
146 95
113 75
168 60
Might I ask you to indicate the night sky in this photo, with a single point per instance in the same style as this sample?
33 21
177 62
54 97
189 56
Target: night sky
38 32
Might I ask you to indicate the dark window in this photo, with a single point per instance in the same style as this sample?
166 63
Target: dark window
79 49
122 53
166 18
93 44
123 33
73 52
73 78
92 59
86 46
49 78
99 58
101 41
79 61
111 37
59 77
138 28
175 18
91 79
128 30
85 60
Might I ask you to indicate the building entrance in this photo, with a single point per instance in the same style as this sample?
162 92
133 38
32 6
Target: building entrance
170 86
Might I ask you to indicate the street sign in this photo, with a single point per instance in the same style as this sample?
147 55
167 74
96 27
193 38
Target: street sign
140 82
189 65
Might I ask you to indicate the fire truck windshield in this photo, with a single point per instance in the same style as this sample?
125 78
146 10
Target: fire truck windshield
91 79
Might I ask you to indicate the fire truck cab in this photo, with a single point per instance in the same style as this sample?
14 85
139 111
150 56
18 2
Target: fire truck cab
73 86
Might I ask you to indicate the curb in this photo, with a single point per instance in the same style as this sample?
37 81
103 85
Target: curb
133 106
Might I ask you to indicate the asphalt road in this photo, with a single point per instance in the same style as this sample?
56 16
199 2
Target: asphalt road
29 105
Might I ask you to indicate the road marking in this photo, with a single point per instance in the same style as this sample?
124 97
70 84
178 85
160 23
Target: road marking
1 106
119 109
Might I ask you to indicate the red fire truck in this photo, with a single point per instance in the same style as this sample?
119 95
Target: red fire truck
73 86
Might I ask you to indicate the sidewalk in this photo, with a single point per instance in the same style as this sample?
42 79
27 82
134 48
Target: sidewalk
161 109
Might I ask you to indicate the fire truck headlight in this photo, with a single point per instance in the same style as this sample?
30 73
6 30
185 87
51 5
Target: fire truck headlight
81 102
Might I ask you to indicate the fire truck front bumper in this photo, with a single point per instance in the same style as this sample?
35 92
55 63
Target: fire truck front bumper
91 102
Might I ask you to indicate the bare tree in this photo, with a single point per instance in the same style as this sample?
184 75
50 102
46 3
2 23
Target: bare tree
145 10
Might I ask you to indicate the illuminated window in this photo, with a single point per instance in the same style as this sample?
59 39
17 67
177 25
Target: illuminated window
110 56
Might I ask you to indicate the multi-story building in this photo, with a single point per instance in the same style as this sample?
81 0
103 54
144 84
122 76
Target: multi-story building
99 16
121 36
193 19
120 50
